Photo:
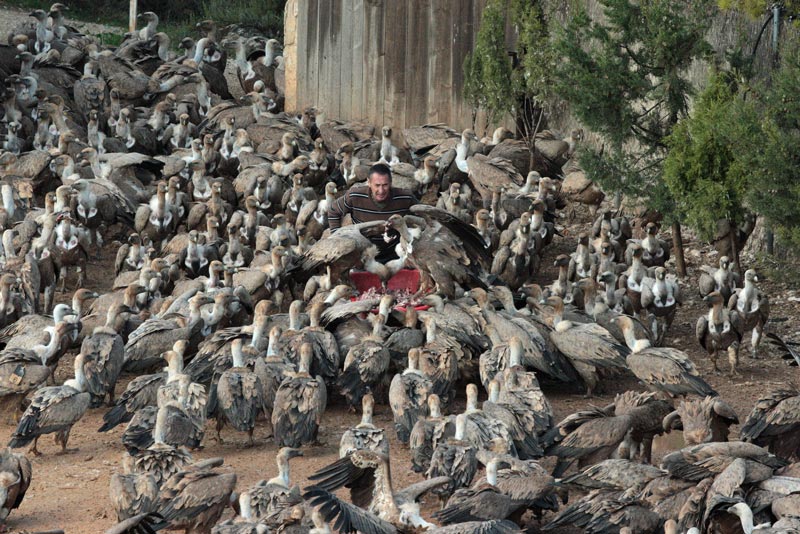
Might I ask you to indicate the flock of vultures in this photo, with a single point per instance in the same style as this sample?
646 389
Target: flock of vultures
233 308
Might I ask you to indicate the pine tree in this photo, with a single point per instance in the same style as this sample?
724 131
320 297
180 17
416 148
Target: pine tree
518 82
487 71
702 170
626 79
770 154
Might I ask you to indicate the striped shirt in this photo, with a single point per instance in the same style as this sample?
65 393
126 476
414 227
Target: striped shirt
359 204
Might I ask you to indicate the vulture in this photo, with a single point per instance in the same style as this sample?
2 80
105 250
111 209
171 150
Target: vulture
444 249
376 507
774 423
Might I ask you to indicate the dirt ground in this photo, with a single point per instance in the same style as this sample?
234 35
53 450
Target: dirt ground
70 491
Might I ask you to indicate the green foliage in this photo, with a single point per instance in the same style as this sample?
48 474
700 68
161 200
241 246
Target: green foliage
103 12
110 39
702 170
625 78
265 16
498 83
754 8
757 8
536 56
256 16
771 153
487 71
740 150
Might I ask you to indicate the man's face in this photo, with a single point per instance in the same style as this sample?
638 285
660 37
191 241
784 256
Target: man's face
379 186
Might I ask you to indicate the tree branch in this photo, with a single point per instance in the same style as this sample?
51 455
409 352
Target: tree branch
651 109
635 58
760 33
648 135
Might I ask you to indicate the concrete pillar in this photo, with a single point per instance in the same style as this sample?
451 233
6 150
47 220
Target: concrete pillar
290 15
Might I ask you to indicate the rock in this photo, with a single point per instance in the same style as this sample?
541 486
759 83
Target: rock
422 138
444 146
269 132
577 187
337 133
575 183
722 241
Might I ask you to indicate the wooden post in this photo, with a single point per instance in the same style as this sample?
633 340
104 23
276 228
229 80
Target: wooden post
132 17
294 35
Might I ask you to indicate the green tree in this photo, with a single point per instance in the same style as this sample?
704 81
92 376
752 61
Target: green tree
625 78
487 71
702 170
517 82
771 154
740 151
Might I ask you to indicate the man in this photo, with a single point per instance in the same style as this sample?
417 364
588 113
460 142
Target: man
376 201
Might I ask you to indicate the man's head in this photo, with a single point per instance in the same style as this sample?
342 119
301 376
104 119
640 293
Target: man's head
380 182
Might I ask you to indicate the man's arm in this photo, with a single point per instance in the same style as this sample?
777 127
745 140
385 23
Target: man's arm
338 209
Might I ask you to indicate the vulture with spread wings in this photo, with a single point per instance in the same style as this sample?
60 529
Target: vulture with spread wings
342 249
444 249
376 508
